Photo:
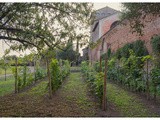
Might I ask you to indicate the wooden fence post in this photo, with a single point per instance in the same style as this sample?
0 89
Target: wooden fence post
16 75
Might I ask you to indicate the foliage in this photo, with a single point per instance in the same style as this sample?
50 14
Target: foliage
40 73
55 75
155 42
128 71
58 73
98 85
137 46
28 24
65 69
94 79
136 12
67 53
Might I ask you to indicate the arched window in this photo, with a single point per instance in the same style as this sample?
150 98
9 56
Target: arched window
114 24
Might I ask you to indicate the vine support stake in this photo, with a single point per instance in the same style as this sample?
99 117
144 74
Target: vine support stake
16 75
147 82
49 78
104 99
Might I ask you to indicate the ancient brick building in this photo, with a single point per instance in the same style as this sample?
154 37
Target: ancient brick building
118 35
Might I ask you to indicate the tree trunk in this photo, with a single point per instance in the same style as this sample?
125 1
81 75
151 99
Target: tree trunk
16 76
104 100
49 79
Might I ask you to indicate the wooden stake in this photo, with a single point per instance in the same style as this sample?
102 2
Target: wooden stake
100 64
35 71
49 79
147 83
104 100
16 76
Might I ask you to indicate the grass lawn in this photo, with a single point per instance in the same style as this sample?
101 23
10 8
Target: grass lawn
7 86
9 71
127 104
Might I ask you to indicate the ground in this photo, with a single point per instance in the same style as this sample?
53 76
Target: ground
73 99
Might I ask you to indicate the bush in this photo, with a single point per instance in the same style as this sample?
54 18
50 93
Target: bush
138 48
65 69
155 42
55 75
94 79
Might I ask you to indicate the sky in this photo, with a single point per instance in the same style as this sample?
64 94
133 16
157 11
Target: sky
96 6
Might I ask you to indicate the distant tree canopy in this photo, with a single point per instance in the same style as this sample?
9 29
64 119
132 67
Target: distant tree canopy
37 25
68 53
135 12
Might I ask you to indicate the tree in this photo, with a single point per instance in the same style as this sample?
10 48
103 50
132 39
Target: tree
137 12
67 53
28 25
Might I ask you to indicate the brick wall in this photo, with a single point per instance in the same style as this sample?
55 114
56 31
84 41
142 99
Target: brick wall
121 34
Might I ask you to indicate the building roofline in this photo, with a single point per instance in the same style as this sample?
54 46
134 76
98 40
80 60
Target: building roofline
116 11
107 7
107 16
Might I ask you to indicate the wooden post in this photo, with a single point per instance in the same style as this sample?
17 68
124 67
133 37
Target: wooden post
16 76
100 64
49 79
147 83
104 100
5 67
35 70
5 74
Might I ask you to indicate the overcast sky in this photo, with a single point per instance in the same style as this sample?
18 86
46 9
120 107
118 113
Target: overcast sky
96 6
116 6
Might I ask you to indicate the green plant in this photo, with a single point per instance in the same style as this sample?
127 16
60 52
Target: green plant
55 75
65 69
98 85
137 46
155 77
155 42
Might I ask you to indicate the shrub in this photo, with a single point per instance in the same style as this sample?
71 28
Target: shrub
55 75
155 42
93 78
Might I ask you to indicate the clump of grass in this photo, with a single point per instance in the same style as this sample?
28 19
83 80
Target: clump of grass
126 103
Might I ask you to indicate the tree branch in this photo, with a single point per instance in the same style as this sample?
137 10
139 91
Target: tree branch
19 40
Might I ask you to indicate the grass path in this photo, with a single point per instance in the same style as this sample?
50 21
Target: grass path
128 104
